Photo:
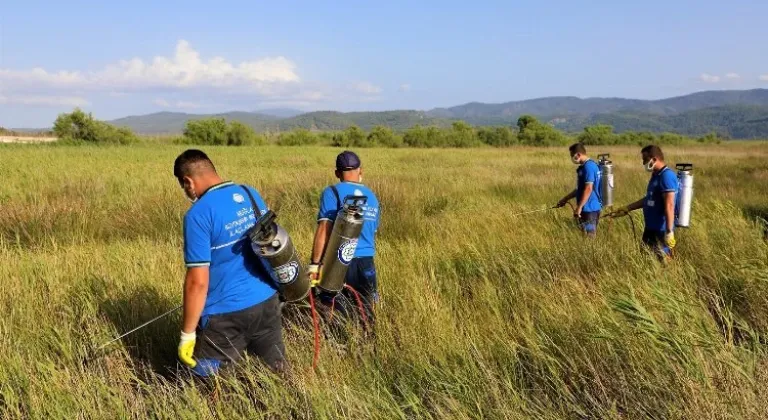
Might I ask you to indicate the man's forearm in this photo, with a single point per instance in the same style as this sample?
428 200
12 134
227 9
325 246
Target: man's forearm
669 210
636 205
585 195
195 292
322 235
569 196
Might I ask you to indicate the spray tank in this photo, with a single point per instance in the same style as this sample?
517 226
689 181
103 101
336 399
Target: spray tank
271 243
684 195
274 249
342 244
606 175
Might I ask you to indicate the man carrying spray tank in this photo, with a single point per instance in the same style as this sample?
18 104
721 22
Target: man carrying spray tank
587 192
361 271
658 204
229 306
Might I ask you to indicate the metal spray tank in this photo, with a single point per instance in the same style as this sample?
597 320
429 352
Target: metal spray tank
684 194
342 244
606 175
274 248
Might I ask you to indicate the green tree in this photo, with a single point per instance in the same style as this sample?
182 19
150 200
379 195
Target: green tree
534 133
239 134
208 131
384 136
597 135
298 137
496 136
79 126
461 135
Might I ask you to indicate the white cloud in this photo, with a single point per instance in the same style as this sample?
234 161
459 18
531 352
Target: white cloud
184 70
405 87
366 88
161 102
764 77
708 78
732 76
43 100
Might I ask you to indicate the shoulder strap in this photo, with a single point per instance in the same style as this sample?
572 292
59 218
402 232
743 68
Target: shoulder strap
336 194
256 210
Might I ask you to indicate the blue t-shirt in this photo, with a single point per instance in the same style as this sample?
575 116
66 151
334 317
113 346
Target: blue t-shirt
589 173
215 236
329 208
653 208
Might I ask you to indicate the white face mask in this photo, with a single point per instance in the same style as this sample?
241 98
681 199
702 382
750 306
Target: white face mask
649 166
575 159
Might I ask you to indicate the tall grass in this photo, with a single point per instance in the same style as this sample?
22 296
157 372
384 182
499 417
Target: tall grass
483 314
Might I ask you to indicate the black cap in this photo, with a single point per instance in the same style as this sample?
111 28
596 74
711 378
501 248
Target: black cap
347 160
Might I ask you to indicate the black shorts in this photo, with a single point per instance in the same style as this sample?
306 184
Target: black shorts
361 276
222 339
589 220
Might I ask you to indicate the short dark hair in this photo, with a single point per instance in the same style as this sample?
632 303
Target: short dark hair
191 162
578 148
653 151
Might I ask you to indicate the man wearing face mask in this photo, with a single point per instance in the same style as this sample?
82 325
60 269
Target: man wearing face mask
361 274
587 192
658 204
229 305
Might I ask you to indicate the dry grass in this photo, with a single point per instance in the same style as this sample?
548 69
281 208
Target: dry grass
484 315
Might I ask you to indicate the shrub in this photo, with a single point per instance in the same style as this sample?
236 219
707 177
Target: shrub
78 126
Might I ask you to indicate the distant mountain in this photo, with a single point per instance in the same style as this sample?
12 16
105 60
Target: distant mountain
738 114
173 122
279 112
564 106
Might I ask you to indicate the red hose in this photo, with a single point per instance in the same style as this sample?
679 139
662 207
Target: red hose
360 306
316 326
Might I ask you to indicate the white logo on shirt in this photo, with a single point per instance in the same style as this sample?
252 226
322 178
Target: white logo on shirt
238 198
358 193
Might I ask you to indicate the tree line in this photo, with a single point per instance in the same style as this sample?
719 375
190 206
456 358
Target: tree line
80 127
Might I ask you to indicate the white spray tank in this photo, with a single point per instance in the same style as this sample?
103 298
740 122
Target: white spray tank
606 175
684 194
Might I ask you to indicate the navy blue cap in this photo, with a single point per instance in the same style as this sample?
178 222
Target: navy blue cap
347 160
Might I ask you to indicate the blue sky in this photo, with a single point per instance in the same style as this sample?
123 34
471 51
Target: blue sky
137 57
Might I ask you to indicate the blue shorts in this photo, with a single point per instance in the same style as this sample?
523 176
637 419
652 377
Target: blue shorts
655 240
589 220
361 275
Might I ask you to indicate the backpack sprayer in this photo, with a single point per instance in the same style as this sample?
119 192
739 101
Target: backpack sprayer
606 173
339 253
342 244
274 248
684 195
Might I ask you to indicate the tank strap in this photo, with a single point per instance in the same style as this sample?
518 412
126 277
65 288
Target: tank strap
256 210
336 194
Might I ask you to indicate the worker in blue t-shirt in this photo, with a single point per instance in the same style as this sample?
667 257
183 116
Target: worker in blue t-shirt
587 192
361 274
658 204
230 306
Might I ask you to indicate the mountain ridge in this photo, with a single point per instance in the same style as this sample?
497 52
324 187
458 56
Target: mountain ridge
730 113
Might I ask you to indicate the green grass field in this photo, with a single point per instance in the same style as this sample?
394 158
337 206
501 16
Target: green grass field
483 314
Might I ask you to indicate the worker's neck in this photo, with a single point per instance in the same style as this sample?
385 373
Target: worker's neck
208 181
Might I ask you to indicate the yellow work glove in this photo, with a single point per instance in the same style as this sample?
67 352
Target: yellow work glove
313 270
187 348
620 212
669 238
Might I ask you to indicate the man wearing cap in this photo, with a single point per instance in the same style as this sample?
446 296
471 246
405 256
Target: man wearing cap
587 192
361 274
658 204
